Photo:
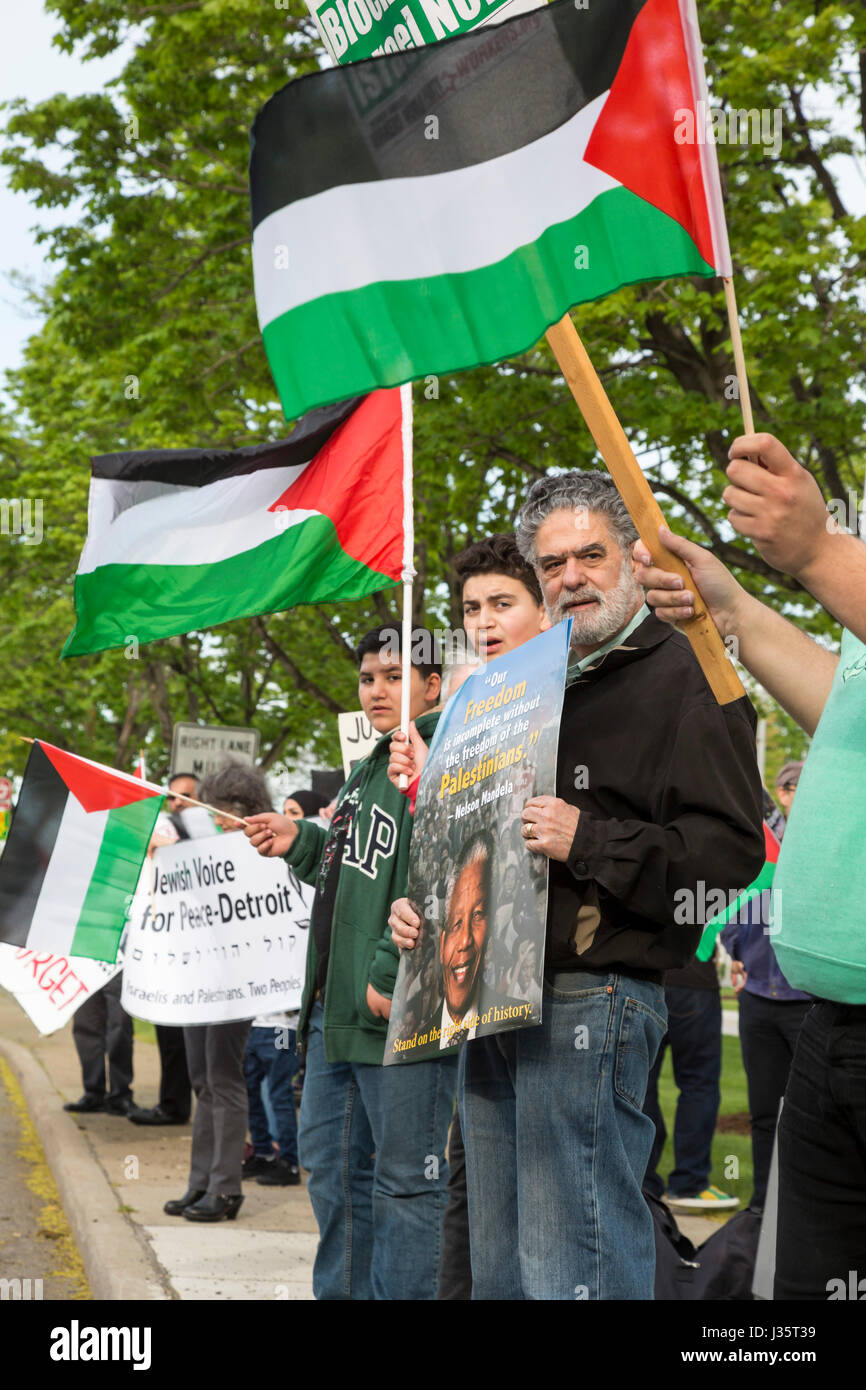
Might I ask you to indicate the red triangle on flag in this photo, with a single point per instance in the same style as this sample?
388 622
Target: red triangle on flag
633 139
356 479
97 788
771 845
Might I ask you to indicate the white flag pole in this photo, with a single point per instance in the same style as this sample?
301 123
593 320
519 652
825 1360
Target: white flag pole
408 562
739 355
715 205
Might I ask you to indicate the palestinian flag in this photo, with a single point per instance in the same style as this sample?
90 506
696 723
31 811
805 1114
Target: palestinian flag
714 925
181 539
431 210
74 854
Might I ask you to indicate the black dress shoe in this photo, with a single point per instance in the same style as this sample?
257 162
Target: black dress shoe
85 1104
119 1107
179 1206
155 1116
280 1174
215 1207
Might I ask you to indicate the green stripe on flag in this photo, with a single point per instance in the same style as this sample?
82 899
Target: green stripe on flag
303 564
392 331
707 943
115 878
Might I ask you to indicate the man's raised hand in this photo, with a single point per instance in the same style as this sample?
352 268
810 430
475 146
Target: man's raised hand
271 834
718 588
776 503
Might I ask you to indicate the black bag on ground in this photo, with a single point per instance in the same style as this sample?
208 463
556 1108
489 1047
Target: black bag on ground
721 1268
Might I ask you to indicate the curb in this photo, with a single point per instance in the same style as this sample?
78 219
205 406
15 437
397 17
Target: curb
118 1262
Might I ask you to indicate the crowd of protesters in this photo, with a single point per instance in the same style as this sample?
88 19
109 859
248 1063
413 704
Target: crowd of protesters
521 1167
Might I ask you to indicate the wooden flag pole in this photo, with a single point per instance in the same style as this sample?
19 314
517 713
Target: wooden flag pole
739 355
635 491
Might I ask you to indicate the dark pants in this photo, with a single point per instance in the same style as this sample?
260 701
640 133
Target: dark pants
215 1057
101 1026
695 1039
768 1035
821 1232
267 1059
455 1271
175 1096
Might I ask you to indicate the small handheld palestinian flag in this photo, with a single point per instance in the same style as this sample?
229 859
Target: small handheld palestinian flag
73 858
432 210
761 884
182 539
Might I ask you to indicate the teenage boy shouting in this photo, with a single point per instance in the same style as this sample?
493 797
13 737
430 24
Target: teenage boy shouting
502 609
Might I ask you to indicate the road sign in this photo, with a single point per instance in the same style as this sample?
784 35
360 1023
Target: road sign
205 748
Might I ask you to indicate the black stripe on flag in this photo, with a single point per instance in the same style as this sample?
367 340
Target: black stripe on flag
30 845
340 126
198 467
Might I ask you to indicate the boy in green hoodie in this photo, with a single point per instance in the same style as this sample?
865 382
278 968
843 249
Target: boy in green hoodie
372 1137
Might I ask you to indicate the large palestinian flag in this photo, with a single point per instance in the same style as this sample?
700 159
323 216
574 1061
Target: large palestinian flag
426 211
74 854
180 539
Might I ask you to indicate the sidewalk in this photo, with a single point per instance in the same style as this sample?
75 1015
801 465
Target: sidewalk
114 1177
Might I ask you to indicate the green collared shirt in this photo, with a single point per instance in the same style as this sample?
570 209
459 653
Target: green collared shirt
577 665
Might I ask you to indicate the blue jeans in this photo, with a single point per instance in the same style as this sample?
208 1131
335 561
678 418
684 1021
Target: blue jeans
557 1144
695 1038
373 1139
266 1061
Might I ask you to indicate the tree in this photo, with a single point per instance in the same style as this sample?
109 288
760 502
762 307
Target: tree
149 339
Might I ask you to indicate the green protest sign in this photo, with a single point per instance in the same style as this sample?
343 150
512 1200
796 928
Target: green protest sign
354 29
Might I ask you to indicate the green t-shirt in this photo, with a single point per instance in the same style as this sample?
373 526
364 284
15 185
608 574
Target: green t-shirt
819 884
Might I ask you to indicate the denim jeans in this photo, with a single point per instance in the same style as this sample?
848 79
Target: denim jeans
373 1140
266 1061
821 1231
695 1038
557 1144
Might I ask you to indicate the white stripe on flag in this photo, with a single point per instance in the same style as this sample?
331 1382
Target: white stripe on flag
67 877
190 526
436 224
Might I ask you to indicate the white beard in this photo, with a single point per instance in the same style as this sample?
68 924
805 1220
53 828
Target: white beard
595 625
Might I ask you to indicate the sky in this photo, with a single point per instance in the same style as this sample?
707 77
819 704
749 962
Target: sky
31 68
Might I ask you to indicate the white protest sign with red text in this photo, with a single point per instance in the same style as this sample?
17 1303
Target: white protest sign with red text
49 986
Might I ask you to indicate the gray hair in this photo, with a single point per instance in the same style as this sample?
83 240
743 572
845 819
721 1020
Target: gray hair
582 490
479 849
238 789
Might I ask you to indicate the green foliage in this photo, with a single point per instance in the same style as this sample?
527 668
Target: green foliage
149 339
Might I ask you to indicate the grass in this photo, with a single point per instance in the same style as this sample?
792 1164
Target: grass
731 1153
143 1032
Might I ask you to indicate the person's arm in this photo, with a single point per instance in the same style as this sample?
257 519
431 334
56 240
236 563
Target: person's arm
794 669
778 505
383 968
301 843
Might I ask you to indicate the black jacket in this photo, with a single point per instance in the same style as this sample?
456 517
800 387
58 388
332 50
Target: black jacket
667 784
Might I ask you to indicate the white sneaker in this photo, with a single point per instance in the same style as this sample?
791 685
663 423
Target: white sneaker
711 1199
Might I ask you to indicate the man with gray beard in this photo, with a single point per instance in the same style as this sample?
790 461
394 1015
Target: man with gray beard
657 789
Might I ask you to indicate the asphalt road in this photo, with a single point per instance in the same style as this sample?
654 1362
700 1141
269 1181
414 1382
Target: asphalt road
36 1244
